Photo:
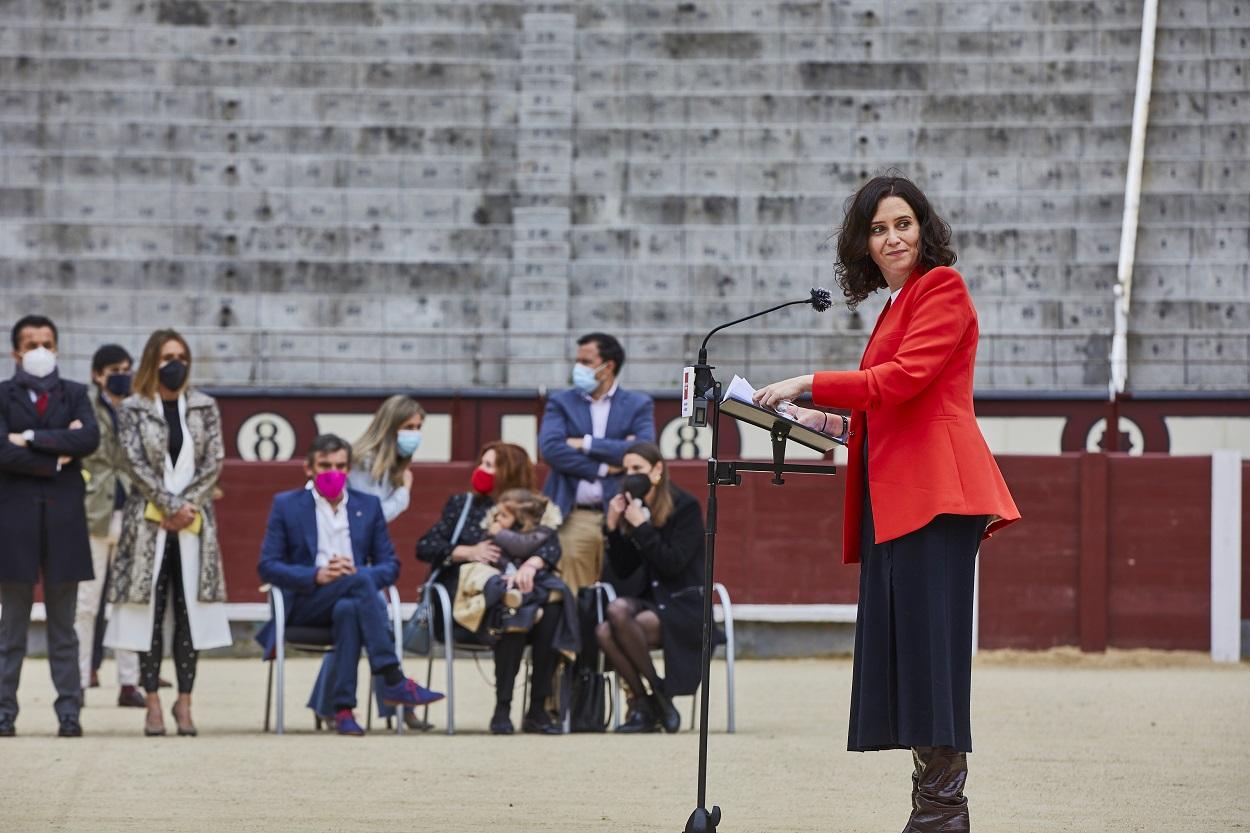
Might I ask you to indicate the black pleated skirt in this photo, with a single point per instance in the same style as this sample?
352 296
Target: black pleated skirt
913 636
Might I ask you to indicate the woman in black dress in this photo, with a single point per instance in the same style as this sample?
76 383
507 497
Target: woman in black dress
656 529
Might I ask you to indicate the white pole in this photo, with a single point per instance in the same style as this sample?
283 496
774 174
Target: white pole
1226 556
1132 201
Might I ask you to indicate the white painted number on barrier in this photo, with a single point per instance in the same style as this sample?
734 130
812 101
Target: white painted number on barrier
266 436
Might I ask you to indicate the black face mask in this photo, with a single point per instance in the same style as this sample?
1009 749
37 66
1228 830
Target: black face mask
118 384
636 485
173 375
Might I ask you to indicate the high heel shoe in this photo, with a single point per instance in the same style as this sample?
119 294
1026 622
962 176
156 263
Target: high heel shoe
153 730
666 713
186 730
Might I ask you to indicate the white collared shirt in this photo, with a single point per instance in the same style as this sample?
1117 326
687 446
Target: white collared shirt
334 534
590 492
894 295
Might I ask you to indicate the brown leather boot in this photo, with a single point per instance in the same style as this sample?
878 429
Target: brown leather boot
917 769
939 805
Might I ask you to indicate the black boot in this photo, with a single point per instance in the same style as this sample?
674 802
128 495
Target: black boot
641 720
501 720
940 805
667 713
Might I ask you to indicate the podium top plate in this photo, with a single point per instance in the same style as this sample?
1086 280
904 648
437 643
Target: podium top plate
766 419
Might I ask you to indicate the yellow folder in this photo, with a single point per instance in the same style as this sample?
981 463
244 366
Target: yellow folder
152 512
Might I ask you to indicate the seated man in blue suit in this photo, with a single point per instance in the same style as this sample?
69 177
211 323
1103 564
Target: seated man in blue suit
327 548
584 433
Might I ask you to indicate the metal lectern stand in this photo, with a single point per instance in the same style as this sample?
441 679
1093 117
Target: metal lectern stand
707 410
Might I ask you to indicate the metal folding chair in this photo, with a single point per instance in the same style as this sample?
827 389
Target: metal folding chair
313 641
722 594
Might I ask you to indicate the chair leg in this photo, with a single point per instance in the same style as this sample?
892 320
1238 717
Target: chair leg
525 684
280 659
616 700
268 696
429 678
694 710
369 707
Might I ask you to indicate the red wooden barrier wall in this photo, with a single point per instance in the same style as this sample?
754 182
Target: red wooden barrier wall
1113 551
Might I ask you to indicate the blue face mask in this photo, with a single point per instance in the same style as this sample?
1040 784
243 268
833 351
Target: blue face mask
407 442
584 378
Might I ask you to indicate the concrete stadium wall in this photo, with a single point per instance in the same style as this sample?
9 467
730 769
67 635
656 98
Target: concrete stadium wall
414 193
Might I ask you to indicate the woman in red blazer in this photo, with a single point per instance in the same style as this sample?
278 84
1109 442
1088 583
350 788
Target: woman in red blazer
920 495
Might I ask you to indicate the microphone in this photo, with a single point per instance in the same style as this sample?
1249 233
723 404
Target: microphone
820 300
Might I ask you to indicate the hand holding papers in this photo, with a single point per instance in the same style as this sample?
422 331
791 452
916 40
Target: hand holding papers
740 390
738 403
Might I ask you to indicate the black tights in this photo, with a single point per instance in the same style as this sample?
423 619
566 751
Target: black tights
511 647
627 643
169 583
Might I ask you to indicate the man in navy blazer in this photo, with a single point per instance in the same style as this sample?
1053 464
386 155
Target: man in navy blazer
327 548
46 428
584 433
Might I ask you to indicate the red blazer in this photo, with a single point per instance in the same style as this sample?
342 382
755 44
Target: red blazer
914 392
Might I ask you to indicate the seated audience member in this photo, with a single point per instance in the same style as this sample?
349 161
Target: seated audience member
500 598
382 457
327 548
461 537
656 528
382 467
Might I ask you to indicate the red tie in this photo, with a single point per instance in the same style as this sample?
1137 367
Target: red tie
41 403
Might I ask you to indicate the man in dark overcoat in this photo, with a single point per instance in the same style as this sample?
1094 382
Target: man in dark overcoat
46 427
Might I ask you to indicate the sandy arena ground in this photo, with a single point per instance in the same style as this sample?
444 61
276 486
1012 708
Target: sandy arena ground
1129 743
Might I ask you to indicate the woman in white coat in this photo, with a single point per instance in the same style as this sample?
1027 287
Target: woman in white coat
169 551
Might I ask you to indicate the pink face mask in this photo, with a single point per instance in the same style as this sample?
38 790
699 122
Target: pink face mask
330 484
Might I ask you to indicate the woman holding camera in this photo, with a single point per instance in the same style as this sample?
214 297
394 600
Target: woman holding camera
656 529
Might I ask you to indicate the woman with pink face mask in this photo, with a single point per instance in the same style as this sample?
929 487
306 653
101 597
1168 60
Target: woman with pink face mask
500 467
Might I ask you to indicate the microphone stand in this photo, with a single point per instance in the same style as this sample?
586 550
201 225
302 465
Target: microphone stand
707 397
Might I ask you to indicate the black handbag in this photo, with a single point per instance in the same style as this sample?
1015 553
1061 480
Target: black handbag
418 631
591 709
590 702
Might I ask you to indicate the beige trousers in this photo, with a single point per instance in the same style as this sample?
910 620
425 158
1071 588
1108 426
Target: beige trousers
102 551
581 546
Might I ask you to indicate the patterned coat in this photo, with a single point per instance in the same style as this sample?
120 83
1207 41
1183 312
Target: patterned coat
144 437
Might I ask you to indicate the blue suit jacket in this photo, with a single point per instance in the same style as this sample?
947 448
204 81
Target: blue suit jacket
288 556
568 415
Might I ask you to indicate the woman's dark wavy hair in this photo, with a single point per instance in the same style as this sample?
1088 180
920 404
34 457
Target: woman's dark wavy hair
858 276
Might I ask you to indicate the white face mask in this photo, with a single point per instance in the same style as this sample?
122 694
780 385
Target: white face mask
39 362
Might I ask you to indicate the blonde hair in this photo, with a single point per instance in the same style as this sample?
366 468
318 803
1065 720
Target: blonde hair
147 377
377 447
528 507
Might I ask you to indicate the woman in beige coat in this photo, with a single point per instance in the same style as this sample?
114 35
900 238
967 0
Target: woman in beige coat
169 550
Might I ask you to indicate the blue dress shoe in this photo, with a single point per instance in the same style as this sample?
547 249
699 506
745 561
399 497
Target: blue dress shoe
409 693
345 724
7 729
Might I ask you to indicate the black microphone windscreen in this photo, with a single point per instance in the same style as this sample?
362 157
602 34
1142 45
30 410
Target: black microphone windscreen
821 299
